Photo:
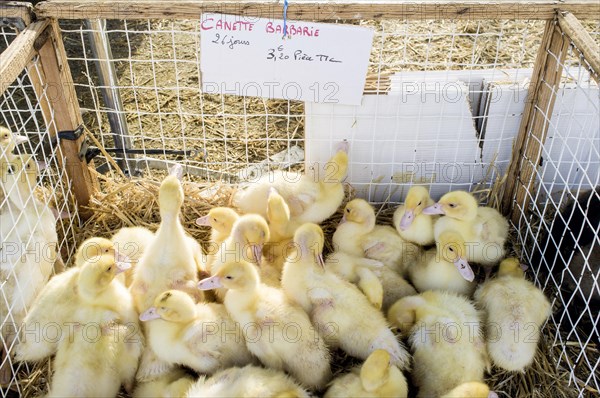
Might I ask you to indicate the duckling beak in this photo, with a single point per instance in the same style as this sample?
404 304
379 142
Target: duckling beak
177 171
257 253
203 220
342 146
122 266
492 394
524 267
434 209
119 257
343 220
210 283
464 268
149 314
20 139
320 260
407 219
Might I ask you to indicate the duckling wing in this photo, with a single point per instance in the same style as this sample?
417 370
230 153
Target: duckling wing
199 339
54 306
491 226
302 197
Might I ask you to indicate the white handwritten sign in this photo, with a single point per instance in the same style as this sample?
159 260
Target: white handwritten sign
316 62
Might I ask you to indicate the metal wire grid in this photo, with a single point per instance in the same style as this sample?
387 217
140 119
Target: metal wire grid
7 35
157 75
436 123
158 78
559 233
21 112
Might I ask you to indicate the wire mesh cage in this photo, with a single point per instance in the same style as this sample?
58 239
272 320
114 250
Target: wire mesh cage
507 108
38 217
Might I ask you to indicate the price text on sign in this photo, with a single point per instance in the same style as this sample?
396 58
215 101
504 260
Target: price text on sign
316 62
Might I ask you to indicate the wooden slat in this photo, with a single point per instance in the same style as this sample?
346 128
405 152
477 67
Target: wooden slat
536 119
319 9
18 54
61 111
16 10
582 40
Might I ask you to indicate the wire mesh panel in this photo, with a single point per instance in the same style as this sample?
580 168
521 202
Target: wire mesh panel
168 118
38 219
426 65
7 35
558 221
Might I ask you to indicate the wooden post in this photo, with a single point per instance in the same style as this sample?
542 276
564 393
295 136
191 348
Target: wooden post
17 10
545 81
584 43
60 107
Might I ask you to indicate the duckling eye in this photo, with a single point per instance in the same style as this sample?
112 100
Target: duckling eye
109 268
420 203
453 205
347 210
229 277
214 219
162 308
11 169
105 250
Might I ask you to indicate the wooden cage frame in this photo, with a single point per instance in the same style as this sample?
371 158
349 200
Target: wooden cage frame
42 39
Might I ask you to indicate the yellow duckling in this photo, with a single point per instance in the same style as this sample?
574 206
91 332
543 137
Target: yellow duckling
410 222
193 335
63 294
483 228
312 198
132 242
516 311
247 382
472 389
245 243
376 378
8 142
279 217
221 220
55 304
174 384
359 329
92 366
168 262
444 267
97 246
359 236
265 315
96 364
444 331
281 231
29 248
